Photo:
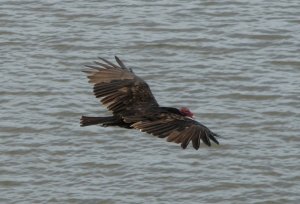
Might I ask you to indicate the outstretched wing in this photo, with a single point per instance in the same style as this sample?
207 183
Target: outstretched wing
118 87
178 129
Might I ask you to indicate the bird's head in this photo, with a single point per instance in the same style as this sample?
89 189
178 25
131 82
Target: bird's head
186 112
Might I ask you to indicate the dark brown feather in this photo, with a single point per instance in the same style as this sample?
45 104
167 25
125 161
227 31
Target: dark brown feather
120 63
134 106
205 138
108 62
186 137
120 89
178 129
103 65
196 139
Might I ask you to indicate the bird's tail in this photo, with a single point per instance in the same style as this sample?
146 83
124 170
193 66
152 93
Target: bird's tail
105 121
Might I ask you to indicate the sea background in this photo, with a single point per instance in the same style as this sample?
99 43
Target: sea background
235 64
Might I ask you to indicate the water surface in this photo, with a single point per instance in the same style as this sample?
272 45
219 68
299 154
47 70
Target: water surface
235 64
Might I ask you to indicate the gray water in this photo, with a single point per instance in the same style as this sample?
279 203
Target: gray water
235 64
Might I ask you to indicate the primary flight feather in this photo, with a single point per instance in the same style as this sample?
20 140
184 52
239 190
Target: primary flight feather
133 105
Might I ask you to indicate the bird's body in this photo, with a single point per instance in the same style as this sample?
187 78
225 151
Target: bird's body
134 106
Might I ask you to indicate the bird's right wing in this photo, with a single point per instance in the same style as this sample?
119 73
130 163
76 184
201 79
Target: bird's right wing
118 87
178 129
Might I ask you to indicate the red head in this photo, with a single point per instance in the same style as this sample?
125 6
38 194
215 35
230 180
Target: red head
186 112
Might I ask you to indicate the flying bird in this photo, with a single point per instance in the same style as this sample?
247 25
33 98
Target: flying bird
133 105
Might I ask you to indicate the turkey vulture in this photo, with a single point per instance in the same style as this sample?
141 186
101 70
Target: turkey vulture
133 105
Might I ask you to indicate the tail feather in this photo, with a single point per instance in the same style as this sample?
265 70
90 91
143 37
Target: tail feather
86 120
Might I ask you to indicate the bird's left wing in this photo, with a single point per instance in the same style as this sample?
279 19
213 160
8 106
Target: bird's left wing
118 87
178 129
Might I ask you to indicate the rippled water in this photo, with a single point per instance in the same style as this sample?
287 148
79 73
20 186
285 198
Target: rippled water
234 63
